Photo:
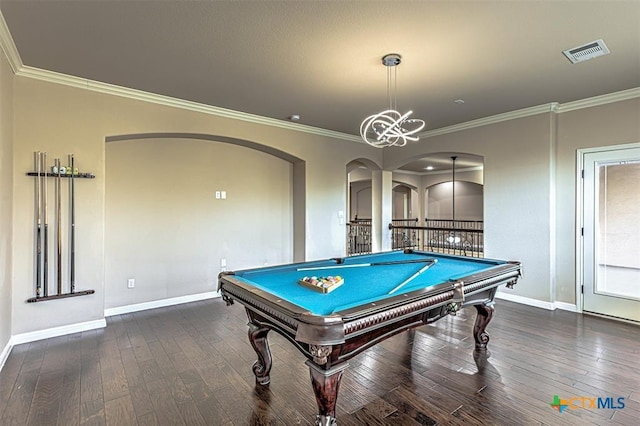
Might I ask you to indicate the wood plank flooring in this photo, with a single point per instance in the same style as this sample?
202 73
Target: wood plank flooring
191 365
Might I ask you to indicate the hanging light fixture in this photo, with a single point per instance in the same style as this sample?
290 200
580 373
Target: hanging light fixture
389 127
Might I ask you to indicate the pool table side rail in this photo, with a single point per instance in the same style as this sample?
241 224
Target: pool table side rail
507 274
305 329
304 326
487 276
420 302
248 293
250 296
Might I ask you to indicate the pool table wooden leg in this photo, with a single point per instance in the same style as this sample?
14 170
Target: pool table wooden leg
258 339
325 386
485 312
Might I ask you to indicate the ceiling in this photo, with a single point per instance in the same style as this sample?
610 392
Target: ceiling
322 59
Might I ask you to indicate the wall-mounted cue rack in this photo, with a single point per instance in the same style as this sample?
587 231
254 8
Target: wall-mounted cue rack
46 176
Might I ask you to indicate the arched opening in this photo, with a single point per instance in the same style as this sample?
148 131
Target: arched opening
404 202
451 203
360 206
359 189
179 210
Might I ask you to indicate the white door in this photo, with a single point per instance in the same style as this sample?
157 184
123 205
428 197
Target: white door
611 220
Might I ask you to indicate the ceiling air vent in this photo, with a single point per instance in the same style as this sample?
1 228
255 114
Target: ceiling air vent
586 51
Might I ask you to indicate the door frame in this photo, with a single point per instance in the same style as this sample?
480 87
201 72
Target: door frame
579 231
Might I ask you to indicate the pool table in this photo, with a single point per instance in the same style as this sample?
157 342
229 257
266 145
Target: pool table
379 295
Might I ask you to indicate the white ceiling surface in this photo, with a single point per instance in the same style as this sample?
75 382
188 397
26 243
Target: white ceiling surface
322 59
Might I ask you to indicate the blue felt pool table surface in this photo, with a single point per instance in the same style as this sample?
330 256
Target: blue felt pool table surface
362 285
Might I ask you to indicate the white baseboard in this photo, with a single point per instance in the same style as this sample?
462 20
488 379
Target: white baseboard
550 306
57 331
160 303
5 354
566 306
101 323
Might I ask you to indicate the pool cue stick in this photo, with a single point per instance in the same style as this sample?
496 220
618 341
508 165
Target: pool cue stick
36 157
72 236
412 277
45 256
58 229
360 265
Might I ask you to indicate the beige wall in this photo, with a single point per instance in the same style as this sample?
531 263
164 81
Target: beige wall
6 200
530 174
62 120
529 184
166 229
517 179
468 201
605 125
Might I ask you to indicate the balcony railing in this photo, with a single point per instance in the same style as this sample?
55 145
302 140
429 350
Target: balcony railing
359 236
461 237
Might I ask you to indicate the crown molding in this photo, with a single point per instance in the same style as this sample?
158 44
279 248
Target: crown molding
512 115
553 107
19 69
112 89
9 47
96 86
623 95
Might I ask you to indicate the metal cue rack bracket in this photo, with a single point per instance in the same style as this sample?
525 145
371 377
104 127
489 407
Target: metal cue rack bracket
41 265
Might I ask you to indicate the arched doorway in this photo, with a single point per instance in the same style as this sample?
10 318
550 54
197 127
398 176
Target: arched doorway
177 213
360 202
451 203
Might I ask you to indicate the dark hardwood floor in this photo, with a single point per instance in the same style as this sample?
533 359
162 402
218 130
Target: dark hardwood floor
191 365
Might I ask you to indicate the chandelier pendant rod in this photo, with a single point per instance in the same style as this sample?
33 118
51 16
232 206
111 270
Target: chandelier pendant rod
453 190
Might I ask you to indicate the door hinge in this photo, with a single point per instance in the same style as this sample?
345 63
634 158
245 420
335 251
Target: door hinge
582 173
582 231
582 289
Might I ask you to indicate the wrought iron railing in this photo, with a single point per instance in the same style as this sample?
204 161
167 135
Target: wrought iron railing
404 233
462 237
359 236
359 233
458 224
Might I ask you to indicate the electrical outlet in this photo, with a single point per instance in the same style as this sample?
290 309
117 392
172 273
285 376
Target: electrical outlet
131 283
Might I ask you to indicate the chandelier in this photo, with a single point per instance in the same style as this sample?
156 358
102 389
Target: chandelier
390 127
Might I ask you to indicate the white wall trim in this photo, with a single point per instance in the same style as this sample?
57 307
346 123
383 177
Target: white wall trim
512 115
579 215
13 56
550 306
125 92
57 331
4 355
563 306
159 303
623 95
8 46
